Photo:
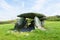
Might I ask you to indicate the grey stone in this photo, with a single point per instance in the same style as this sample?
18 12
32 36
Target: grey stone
20 24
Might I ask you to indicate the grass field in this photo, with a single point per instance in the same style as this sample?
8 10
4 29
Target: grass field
52 32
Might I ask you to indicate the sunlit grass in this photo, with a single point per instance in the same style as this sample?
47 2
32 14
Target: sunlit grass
52 32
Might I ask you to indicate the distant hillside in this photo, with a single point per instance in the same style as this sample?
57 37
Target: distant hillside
9 21
54 18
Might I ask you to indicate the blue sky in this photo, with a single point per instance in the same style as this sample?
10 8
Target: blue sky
9 9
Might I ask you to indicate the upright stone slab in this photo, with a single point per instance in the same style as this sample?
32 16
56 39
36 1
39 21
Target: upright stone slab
38 23
20 23
42 23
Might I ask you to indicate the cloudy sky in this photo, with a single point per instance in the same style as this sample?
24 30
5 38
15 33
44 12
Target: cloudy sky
9 9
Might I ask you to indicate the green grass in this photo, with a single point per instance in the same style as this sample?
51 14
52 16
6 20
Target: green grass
52 32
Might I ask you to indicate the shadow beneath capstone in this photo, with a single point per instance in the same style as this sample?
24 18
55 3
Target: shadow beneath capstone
28 29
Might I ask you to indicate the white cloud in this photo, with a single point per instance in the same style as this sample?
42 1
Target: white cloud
38 5
52 9
7 12
5 5
10 12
